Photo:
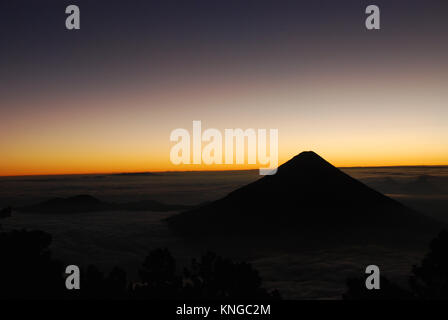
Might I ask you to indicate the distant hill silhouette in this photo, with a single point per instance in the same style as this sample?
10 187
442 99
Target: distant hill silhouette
137 174
307 195
87 203
421 185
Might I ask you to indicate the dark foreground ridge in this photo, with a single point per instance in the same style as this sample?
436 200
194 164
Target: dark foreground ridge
160 278
87 203
307 194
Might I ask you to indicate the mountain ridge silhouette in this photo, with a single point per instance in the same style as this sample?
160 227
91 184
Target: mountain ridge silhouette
306 192
88 203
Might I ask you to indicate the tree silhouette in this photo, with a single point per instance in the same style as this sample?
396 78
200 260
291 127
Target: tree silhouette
212 277
27 269
430 278
95 285
158 277
218 278
5 212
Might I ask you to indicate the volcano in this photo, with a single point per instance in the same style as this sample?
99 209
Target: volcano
307 194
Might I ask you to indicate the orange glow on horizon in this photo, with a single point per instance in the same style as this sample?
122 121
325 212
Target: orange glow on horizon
115 164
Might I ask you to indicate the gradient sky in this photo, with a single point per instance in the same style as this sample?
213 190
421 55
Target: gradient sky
105 98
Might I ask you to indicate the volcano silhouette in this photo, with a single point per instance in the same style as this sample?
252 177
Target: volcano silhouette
307 194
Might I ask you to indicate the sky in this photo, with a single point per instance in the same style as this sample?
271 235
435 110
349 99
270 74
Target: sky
105 98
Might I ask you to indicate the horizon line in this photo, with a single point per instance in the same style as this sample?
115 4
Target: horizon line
211 170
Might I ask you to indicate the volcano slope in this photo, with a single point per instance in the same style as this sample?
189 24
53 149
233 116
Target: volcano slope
307 197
